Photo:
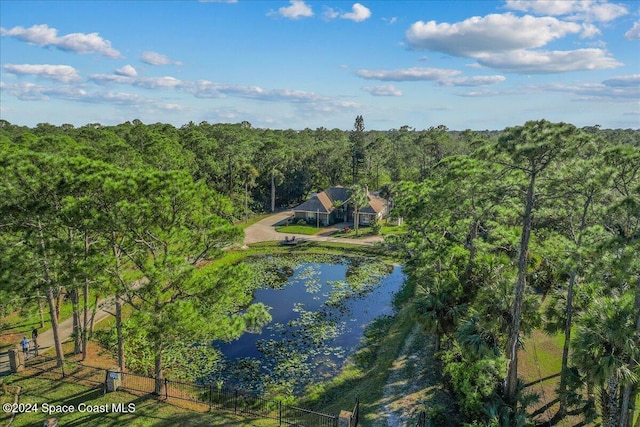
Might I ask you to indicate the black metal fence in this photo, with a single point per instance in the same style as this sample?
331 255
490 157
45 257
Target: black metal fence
232 400
422 420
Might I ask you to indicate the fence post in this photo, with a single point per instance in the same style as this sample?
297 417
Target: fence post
280 413
166 389
235 402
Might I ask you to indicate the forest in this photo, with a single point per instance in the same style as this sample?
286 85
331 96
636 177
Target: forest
533 227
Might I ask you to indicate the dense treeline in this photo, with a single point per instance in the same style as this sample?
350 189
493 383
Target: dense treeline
534 226
539 228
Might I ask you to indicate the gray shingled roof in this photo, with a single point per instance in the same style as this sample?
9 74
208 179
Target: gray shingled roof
324 200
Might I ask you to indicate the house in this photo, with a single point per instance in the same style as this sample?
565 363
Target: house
332 205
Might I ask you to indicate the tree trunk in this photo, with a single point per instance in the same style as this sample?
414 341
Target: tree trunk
85 317
612 403
85 302
93 315
59 299
511 380
54 327
629 394
246 202
562 391
77 334
573 277
273 191
159 383
40 309
50 298
356 220
120 338
118 303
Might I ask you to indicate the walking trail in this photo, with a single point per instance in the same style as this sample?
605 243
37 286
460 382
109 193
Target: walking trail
65 329
259 232
414 385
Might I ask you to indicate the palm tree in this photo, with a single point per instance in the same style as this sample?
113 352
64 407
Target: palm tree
359 198
605 348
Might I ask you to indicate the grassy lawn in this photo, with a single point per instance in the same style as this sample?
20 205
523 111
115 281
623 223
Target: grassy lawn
392 230
242 224
539 368
148 411
298 229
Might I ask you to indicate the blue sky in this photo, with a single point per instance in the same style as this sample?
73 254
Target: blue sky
296 64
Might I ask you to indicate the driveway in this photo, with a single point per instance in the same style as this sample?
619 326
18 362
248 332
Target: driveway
264 231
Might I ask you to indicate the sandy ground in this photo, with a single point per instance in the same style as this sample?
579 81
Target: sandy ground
414 384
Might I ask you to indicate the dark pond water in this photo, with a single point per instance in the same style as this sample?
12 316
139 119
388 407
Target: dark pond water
318 319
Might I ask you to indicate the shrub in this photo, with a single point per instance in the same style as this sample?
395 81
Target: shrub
347 230
376 226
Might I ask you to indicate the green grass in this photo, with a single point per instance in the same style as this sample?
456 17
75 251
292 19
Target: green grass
298 229
236 255
392 230
242 224
367 385
148 410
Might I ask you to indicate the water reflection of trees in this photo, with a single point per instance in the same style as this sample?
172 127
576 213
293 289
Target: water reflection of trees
304 350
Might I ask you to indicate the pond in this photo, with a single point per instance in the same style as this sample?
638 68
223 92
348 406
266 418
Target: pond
319 313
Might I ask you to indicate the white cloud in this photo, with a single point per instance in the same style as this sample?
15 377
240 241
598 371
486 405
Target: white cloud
127 71
634 32
632 81
81 43
589 31
588 10
60 73
600 91
154 58
297 9
527 61
391 20
507 42
384 90
408 74
105 79
474 81
492 33
358 13
157 82
307 101
443 77
330 13
171 107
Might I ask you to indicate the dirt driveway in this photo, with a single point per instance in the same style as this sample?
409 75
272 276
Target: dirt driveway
264 231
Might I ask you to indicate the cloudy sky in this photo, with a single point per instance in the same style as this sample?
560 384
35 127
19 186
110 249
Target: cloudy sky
295 64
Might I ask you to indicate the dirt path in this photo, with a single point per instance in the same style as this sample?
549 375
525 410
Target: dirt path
415 385
65 329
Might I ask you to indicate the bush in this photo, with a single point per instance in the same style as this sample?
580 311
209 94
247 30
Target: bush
475 380
301 222
347 230
376 226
